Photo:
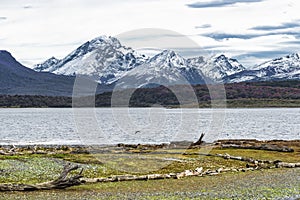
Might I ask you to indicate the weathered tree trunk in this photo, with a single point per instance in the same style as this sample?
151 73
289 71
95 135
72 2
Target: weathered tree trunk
266 147
200 140
260 163
186 173
9 152
287 165
61 182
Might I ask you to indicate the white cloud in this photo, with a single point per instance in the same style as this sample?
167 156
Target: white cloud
34 30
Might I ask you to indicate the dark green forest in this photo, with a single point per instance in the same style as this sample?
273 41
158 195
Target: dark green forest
248 94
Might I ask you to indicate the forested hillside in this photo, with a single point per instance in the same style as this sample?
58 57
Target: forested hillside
256 94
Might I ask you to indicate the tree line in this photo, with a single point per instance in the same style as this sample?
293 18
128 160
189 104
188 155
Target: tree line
144 97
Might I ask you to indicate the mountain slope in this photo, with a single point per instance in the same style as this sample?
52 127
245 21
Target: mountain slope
284 68
46 65
217 68
17 79
103 58
166 68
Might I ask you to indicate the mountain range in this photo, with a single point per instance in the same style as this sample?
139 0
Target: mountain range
284 68
106 61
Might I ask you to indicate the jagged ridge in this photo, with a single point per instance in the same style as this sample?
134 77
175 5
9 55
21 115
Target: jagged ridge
107 61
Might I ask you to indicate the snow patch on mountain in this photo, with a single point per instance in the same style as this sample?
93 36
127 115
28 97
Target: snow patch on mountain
103 58
166 68
283 68
46 65
217 67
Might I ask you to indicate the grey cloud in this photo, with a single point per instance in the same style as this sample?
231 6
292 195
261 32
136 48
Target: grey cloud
221 36
291 42
220 3
27 7
265 54
203 26
255 58
3 18
274 28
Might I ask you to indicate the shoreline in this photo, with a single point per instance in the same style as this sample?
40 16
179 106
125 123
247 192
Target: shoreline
178 144
166 107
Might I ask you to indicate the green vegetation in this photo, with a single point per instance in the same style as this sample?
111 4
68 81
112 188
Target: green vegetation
249 94
262 103
261 184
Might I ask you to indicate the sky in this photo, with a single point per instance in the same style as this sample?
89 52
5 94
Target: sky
252 31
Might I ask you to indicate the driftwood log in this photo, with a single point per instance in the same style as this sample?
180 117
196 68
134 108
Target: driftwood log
249 160
260 163
9 152
267 147
187 173
199 141
62 182
287 165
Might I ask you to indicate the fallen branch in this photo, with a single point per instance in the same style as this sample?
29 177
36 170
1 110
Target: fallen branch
266 147
260 163
199 141
240 158
61 182
287 165
187 173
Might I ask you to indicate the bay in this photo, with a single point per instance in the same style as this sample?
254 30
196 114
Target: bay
144 125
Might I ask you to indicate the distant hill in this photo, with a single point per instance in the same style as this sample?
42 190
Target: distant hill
17 79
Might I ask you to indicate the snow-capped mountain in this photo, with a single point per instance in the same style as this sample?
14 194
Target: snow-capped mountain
103 58
218 67
107 61
284 68
46 65
166 68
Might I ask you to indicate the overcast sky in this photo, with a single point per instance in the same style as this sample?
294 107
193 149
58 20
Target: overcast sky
250 30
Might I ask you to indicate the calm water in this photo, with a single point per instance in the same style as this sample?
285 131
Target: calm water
144 125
